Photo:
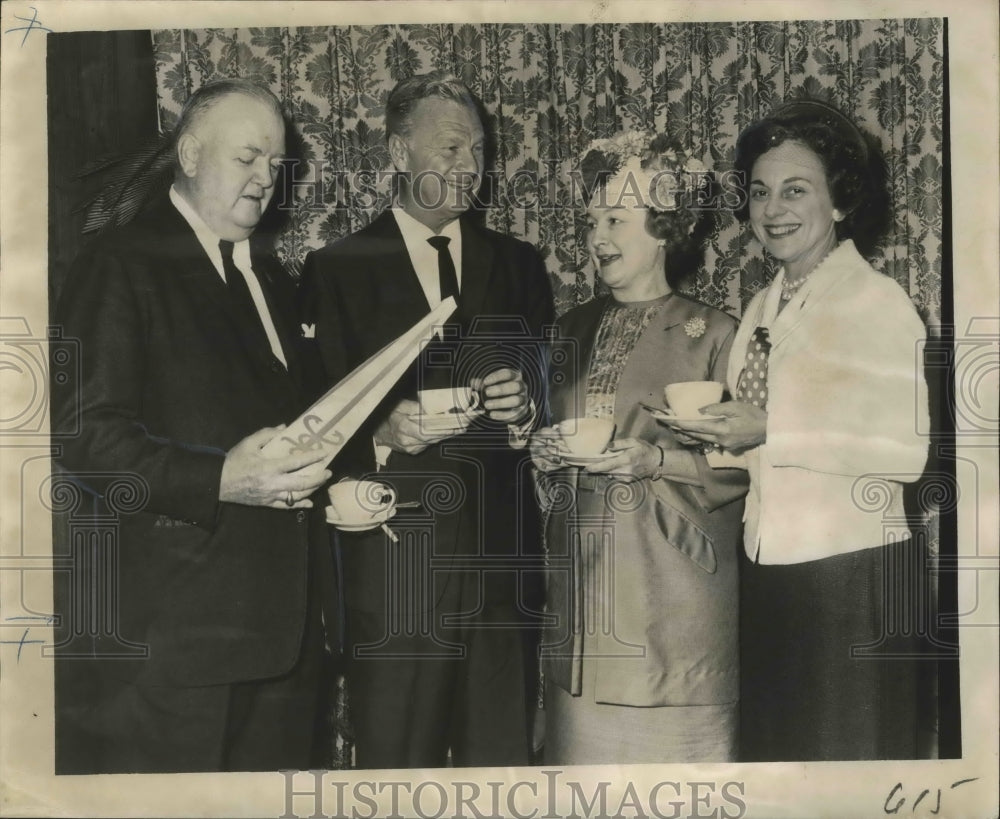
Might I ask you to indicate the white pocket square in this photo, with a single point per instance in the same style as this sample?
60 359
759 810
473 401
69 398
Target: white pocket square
308 331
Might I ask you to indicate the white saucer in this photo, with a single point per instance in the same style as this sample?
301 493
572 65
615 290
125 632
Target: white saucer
663 415
583 460
441 421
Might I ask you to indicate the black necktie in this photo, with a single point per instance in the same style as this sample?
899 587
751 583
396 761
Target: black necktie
239 293
752 386
447 277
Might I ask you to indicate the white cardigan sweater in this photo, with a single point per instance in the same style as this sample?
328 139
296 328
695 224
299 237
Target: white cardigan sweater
846 401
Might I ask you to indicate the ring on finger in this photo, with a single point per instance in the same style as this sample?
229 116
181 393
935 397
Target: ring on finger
289 500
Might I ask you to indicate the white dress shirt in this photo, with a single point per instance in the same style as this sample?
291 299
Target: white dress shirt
424 256
241 258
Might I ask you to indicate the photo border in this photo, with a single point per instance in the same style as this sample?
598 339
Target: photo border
966 786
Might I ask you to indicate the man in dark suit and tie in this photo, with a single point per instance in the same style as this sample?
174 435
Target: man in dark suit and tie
188 366
438 652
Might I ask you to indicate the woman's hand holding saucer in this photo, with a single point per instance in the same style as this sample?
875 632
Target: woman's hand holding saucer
737 427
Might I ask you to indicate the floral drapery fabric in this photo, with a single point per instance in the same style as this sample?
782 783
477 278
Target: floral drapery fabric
553 88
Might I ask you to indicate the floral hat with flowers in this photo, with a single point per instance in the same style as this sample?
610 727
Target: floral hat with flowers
643 168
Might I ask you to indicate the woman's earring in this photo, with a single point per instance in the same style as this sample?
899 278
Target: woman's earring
837 215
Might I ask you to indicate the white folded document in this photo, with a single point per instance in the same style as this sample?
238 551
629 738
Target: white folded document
333 419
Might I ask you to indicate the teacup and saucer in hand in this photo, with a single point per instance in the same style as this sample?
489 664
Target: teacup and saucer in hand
683 413
584 441
686 398
448 409
357 506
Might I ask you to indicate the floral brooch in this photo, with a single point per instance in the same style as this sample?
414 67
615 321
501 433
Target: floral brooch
695 327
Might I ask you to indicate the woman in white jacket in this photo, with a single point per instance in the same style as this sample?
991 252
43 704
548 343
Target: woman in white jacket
827 374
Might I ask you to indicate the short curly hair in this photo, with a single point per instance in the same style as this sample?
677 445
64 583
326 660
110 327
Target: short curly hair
853 162
684 230
687 229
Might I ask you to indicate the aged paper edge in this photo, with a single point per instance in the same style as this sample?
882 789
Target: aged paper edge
770 791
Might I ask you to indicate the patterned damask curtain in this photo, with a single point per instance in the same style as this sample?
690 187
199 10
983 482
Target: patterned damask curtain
553 88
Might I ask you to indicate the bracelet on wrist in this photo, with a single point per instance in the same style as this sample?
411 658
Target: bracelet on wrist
659 469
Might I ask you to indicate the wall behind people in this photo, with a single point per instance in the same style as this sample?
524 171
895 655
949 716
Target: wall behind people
554 88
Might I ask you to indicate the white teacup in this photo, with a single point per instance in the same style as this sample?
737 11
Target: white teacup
586 436
447 399
686 398
355 503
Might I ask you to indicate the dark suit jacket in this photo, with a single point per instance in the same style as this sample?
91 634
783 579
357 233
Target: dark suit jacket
362 293
171 378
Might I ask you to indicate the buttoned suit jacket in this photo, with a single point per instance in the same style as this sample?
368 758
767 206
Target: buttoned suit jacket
361 293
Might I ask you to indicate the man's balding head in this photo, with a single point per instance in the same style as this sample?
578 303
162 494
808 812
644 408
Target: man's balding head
229 141
206 97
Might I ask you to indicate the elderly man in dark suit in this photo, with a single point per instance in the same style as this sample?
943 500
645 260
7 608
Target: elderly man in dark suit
438 652
189 364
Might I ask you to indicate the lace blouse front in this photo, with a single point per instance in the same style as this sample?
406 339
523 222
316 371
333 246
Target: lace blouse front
621 326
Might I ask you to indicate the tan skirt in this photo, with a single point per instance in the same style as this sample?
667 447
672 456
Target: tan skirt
579 731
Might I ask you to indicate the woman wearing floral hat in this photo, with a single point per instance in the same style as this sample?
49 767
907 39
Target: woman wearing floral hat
640 662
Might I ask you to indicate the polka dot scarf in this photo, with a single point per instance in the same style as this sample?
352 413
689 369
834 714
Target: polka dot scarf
752 386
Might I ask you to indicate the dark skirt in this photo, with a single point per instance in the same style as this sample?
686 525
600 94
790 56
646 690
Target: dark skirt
829 653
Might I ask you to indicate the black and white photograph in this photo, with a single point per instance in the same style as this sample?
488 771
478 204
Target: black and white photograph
494 409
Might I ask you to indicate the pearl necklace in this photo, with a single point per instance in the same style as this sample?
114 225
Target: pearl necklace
789 287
